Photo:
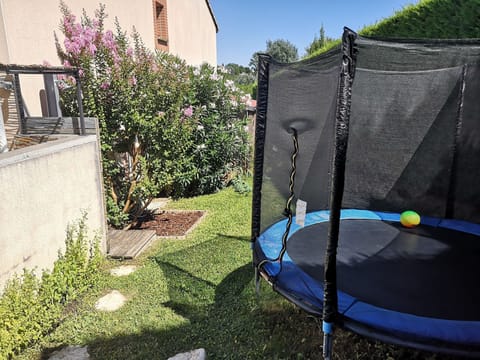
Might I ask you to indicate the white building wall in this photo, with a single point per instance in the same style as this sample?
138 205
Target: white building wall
192 32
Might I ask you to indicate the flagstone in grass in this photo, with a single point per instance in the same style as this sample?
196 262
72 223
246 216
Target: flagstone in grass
123 270
111 302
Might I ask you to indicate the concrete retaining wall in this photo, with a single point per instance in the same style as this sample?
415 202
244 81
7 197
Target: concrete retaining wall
43 188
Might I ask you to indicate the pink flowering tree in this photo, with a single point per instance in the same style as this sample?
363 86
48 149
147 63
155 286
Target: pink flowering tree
150 107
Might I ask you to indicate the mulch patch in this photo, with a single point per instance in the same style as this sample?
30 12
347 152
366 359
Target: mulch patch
170 223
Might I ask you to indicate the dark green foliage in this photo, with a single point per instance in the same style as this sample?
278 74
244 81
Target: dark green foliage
241 186
235 69
282 50
30 306
440 19
254 61
431 19
319 43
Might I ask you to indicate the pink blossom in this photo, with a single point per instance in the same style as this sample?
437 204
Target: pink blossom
68 22
129 52
188 112
72 46
89 34
108 40
104 86
92 48
61 85
66 63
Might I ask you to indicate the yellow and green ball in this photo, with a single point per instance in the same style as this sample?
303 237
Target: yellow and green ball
409 218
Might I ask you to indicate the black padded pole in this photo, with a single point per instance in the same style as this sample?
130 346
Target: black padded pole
260 129
330 300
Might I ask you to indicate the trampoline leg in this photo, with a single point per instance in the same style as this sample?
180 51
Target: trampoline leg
327 340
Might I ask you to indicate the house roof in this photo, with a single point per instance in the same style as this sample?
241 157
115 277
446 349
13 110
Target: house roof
213 15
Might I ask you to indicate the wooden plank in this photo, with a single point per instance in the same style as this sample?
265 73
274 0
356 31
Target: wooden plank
59 125
128 244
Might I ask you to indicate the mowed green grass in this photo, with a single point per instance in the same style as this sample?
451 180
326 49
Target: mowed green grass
199 292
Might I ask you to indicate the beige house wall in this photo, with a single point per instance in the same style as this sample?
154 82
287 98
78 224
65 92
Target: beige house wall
41 195
30 24
29 27
192 32
3 39
27 32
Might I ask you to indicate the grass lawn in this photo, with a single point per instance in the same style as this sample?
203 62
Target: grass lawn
199 292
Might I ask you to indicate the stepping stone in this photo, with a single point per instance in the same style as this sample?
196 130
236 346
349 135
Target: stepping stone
71 353
123 270
111 302
158 203
198 354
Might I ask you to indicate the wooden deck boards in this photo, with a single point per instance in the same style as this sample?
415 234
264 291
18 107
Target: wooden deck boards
127 244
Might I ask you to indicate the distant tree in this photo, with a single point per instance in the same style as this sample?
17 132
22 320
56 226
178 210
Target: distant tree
318 42
235 69
282 50
242 76
254 61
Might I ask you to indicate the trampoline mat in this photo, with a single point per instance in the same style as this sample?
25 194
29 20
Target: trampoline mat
425 271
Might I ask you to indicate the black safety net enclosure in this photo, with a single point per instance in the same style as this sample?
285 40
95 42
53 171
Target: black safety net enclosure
345 143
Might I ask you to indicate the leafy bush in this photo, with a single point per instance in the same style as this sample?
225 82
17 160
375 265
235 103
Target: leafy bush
220 134
30 307
434 19
438 19
165 128
241 186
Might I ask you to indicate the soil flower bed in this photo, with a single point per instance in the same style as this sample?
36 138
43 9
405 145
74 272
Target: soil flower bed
171 223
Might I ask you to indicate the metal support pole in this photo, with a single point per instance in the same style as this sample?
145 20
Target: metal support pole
80 104
20 104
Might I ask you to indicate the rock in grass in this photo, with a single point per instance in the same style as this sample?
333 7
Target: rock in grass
123 270
111 302
198 354
71 353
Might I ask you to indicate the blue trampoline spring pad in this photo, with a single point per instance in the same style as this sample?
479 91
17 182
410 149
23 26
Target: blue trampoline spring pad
418 284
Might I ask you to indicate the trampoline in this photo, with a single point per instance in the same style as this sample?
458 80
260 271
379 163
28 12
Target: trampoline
362 133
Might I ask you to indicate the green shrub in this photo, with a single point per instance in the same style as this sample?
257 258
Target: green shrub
241 186
219 136
165 128
30 306
434 19
439 19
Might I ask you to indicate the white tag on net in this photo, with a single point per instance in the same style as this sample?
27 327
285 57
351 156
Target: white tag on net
301 211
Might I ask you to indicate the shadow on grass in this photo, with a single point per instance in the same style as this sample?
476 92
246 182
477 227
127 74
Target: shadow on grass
216 316
239 238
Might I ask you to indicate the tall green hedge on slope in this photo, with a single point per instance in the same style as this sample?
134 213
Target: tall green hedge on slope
433 19
440 19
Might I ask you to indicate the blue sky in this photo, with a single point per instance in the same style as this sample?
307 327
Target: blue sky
246 25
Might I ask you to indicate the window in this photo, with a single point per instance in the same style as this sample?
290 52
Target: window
160 24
